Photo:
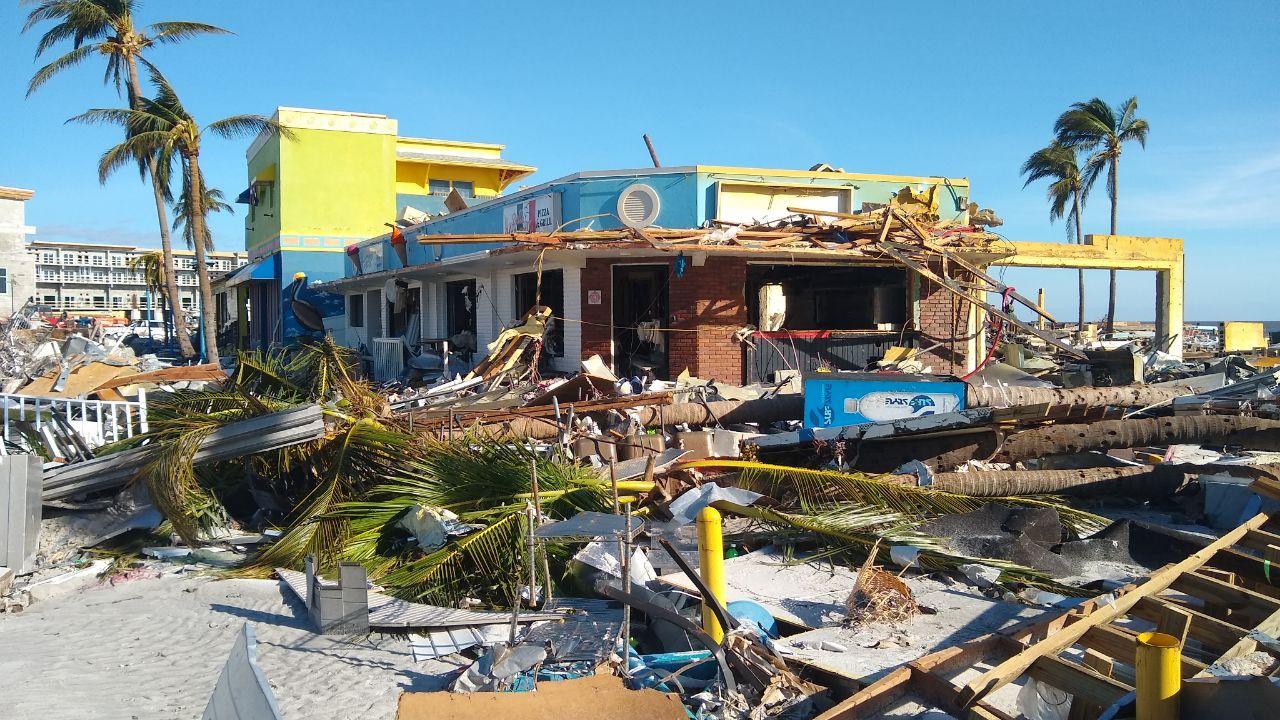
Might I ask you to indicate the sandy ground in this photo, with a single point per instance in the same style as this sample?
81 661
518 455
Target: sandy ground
153 648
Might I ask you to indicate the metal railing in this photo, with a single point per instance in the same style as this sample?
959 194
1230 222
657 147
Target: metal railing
97 421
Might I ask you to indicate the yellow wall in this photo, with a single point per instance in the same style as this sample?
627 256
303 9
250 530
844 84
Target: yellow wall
412 177
336 183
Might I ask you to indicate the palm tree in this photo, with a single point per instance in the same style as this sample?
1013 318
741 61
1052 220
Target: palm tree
1101 130
151 266
214 202
106 28
161 128
1067 193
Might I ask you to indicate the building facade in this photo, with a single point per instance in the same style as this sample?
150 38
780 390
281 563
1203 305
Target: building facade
335 179
641 309
95 279
17 268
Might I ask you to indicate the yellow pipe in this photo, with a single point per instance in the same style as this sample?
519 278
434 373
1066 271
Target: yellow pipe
711 566
1159 670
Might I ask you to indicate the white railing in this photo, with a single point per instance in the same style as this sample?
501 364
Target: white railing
98 422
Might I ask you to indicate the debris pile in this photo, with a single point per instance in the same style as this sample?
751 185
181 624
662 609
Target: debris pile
814 546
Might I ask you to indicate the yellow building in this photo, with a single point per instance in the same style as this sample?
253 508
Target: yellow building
332 179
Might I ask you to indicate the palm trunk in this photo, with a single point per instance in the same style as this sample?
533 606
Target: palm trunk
195 211
1075 202
1115 195
171 279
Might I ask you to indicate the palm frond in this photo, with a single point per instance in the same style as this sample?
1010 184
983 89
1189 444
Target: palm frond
70 60
173 32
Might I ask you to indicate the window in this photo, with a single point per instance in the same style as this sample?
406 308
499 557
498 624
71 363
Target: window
117 261
50 299
49 257
552 296
355 310
99 301
4 280
186 303
831 298
442 187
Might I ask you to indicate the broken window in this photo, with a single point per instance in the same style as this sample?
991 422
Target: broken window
552 296
460 314
814 297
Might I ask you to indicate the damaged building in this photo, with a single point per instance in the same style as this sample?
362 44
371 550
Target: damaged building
724 304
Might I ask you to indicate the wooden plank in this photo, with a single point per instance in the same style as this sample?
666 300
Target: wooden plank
1077 680
1252 606
1176 622
1082 709
1121 645
873 699
1160 580
1259 540
1245 645
1212 632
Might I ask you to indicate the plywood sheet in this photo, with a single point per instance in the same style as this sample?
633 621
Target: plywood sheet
598 697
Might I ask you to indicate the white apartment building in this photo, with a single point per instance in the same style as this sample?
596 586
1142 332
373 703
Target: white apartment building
84 278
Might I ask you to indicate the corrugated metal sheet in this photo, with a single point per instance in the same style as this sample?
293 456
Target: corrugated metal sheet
806 353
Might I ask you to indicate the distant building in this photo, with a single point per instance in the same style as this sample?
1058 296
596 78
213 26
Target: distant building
92 278
338 180
17 270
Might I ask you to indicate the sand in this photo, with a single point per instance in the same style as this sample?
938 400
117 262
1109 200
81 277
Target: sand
153 647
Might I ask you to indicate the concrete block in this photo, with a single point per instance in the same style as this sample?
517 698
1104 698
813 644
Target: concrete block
342 607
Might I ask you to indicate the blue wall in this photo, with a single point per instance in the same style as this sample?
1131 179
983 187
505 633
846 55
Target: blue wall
688 201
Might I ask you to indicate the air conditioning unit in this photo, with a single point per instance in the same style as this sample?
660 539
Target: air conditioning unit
388 359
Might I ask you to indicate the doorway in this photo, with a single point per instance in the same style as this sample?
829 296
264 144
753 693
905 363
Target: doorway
640 312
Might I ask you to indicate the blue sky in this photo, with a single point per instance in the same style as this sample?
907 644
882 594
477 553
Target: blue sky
948 88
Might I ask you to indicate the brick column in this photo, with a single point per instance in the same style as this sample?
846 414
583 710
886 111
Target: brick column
710 298
943 318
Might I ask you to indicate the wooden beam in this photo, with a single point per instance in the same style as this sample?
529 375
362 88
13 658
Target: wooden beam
1245 645
1259 540
1160 580
1211 631
1077 680
1252 606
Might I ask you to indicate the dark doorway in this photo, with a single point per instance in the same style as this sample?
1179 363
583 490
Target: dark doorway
552 296
407 313
640 308
460 316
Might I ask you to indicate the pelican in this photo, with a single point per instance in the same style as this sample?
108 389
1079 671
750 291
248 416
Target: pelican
307 315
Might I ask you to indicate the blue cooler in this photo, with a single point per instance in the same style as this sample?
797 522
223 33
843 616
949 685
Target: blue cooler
849 398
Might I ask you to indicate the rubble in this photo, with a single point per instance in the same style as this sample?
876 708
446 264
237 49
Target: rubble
881 528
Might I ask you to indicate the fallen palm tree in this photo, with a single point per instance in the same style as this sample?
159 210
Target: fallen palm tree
817 488
1127 396
1066 439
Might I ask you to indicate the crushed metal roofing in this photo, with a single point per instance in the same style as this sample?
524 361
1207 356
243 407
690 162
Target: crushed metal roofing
388 612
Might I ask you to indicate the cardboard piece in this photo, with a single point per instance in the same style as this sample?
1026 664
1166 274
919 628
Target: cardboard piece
597 697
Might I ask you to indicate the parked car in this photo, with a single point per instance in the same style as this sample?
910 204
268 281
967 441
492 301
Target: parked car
154 329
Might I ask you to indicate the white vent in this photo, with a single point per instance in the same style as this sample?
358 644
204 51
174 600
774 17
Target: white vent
388 359
638 206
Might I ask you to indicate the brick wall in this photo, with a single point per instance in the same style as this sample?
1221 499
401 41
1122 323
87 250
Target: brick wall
943 318
709 298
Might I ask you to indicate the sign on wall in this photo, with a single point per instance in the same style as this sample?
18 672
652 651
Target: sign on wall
536 214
